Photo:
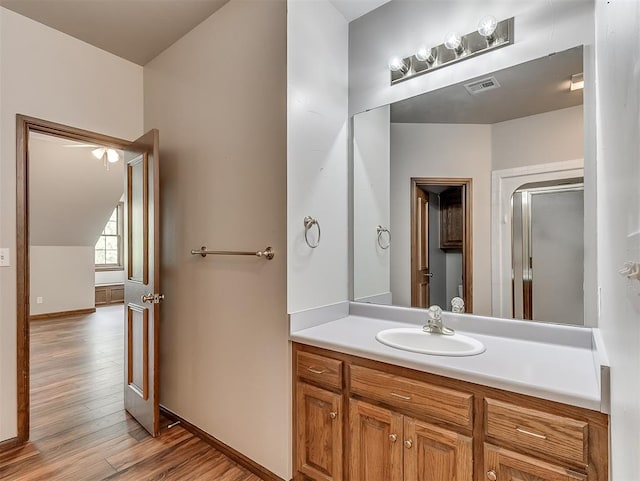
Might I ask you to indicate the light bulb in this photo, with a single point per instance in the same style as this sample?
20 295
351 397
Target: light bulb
396 64
487 25
425 54
453 41
98 153
422 53
112 156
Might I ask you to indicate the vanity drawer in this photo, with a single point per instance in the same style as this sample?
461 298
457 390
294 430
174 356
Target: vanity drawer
561 437
418 397
320 369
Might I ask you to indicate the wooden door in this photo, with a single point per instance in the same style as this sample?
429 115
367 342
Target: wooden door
503 465
375 443
436 454
142 282
420 250
319 431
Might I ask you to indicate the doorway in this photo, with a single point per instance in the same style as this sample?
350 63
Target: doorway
27 256
441 240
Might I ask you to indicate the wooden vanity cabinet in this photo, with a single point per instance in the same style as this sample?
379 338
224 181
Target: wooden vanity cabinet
376 443
319 433
319 417
362 420
386 445
502 464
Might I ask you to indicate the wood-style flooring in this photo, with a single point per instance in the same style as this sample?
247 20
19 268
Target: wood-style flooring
79 428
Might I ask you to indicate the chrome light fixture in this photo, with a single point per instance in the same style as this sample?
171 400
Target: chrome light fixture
453 41
490 35
487 27
424 54
396 64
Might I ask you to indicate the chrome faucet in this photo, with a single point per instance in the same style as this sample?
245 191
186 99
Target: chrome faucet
434 322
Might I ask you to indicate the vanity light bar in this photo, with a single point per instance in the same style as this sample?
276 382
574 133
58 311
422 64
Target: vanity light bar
471 45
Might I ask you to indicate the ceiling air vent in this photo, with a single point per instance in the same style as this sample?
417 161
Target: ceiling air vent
482 85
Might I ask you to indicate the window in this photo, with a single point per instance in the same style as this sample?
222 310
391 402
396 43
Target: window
108 252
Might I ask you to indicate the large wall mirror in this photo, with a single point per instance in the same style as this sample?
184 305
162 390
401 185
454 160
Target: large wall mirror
476 191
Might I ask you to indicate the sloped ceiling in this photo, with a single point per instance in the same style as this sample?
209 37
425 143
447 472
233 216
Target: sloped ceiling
136 30
71 194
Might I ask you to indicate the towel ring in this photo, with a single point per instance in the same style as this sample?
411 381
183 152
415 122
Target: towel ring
382 230
309 222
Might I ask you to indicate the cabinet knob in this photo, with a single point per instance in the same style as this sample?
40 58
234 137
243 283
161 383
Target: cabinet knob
393 437
408 443
333 414
491 475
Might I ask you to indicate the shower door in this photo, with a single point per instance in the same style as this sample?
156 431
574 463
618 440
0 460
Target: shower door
548 254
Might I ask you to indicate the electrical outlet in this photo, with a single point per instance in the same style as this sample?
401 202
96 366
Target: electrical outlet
4 257
39 300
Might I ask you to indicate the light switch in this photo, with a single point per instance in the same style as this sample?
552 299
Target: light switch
4 257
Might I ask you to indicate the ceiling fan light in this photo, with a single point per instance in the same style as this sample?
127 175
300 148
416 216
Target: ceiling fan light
113 156
99 152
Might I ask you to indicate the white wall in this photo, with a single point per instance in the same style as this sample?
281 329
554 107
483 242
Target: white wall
618 101
538 139
398 27
371 155
317 170
225 354
435 150
49 75
63 276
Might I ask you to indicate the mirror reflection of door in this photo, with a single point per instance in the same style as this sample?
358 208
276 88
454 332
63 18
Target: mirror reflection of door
440 221
548 251
420 286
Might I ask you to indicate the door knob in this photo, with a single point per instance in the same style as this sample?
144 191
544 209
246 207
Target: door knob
393 437
408 443
152 298
333 414
428 275
491 475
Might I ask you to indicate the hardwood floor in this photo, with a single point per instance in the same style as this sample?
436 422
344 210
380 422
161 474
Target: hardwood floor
79 429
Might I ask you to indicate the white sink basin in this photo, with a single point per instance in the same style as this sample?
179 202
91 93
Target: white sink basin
414 339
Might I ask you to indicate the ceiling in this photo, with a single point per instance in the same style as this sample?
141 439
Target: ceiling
352 9
137 30
530 88
71 193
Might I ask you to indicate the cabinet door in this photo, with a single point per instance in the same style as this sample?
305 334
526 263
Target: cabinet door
503 465
451 219
319 433
435 454
375 443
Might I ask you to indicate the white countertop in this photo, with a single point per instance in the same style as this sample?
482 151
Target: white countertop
558 368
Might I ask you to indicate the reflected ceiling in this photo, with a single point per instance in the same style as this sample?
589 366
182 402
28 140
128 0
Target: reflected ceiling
530 88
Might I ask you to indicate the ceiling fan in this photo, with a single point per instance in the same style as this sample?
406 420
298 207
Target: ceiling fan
107 154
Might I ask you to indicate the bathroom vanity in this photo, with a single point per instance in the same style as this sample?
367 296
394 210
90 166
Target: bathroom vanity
531 407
